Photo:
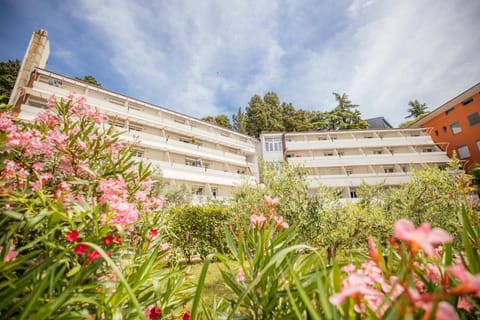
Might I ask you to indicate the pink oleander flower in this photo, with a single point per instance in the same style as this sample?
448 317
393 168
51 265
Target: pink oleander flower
373 252
464 304
355 286
153 233
280 223
72 236
11 255
52 100
257 221
240 276
186 316
423 237
349 268
445 311
37 166
469 284
270 201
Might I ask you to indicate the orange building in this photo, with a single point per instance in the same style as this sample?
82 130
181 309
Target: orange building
455 126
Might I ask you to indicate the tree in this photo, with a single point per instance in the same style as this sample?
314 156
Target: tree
8 75
220 120
264 114
90 79
344 116
416 109
239 121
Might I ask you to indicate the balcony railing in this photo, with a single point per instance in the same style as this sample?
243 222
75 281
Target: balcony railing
355 180
178 171
358 143
372 159
191 150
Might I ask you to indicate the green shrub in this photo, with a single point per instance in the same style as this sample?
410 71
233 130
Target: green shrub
81 223
198 230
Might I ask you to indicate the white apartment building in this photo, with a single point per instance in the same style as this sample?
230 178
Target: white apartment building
208 158
343 159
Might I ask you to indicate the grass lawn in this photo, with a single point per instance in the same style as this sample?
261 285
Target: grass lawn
214 288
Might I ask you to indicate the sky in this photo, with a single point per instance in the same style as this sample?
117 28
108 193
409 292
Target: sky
205 58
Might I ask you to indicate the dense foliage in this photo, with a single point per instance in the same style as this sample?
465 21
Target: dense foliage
90 79
323 220
198 230
8 74
84 236
82 226
268 114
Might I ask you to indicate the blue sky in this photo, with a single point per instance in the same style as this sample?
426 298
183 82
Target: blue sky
210 57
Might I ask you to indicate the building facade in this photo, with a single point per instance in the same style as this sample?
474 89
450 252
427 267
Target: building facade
455 126
343 159
209 159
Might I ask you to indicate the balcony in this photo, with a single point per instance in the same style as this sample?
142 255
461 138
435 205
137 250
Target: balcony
354 180
358 143
182 172
188 149
372 159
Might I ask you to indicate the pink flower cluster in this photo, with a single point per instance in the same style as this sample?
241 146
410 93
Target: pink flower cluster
11 254
270 207
368 287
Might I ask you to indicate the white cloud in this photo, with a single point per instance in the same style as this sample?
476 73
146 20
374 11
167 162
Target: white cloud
209 57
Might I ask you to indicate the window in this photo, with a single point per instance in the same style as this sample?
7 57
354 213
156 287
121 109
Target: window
449 111
197 163
444 129
328 154
455 127
198 191
349 171
193 163
185 140
463 152
273 144
214 193
134 127
473 119
467 101
353 194
138 153
428 150
377 152
388 170
340 153
436 133
116 101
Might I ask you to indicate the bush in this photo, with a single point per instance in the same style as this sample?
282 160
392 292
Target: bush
198 229
82 225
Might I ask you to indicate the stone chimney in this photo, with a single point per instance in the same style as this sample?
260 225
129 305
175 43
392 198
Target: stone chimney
36 56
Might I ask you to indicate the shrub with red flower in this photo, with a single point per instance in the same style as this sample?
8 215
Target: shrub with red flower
68 178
